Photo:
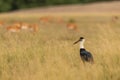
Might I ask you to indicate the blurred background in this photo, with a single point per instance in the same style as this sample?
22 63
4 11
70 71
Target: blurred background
12 5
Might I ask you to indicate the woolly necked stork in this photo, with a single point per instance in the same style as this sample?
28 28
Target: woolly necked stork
84 54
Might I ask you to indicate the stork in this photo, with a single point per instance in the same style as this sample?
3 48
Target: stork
84 54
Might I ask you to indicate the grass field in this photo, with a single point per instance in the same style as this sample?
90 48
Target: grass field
50 54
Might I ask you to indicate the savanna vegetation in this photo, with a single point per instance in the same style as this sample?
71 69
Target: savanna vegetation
49 54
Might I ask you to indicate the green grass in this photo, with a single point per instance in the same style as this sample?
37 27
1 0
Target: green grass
50 54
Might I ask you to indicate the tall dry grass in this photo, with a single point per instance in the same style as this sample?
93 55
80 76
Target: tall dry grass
50 54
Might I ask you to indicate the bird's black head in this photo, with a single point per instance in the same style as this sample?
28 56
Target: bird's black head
80 39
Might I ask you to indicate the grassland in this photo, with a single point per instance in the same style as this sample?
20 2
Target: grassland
50 54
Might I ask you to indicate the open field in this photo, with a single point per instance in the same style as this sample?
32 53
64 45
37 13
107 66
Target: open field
50 54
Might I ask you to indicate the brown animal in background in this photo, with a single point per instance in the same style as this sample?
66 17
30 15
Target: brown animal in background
17 24
72 26
33 27
13 28
24 26
45 19
30 27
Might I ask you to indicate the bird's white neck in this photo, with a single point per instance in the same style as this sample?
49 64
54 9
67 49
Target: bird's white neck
81 44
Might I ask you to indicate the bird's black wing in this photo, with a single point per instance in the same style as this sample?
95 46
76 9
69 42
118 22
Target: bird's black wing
90 57
87 56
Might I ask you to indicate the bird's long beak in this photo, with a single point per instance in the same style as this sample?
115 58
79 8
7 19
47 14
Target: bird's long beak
76 42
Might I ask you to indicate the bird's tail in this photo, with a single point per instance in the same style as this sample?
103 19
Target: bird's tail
91 60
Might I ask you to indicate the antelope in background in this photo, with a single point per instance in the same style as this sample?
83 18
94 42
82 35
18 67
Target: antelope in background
16 27
31 27
46 19
71 25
